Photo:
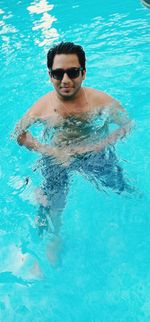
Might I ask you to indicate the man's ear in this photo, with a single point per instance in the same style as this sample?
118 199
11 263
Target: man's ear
83 74
49 73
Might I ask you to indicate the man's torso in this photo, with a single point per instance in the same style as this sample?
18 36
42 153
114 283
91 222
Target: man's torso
74 122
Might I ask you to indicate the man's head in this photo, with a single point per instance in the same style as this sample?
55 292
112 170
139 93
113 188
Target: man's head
66 48
66 65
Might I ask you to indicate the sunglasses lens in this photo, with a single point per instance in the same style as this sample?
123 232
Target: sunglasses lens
71 72
58 74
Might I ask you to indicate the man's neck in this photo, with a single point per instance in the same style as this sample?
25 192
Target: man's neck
75 104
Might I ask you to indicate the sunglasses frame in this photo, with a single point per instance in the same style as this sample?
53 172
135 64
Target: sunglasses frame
77 69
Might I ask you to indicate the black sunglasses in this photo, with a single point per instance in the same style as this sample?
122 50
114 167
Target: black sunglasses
72 73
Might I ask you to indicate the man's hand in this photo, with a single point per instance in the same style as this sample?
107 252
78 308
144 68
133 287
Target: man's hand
62 155
109 140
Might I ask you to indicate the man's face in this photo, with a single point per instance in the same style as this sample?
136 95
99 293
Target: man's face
67 88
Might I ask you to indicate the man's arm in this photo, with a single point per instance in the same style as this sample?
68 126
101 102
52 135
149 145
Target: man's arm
118 116
21 133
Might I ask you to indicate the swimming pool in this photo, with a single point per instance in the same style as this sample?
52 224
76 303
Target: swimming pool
104 270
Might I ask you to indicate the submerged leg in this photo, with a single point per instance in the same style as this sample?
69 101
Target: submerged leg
54 190
104 170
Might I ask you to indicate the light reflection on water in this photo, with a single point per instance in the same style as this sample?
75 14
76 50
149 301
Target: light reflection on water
49 34
111 270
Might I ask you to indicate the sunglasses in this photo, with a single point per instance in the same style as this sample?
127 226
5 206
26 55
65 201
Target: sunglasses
72 73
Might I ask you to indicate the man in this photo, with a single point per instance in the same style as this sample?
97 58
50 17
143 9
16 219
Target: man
77 134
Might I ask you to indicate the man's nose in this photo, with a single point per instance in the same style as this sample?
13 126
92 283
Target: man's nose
65 78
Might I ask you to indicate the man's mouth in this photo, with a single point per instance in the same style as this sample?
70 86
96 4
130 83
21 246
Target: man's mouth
65 89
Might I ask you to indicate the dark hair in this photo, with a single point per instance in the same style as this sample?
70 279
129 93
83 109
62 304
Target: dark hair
66 48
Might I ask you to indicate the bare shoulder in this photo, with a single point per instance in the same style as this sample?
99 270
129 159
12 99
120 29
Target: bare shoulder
41 107
98 98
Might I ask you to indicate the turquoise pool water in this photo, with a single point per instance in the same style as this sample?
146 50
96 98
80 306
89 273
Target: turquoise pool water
104 272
